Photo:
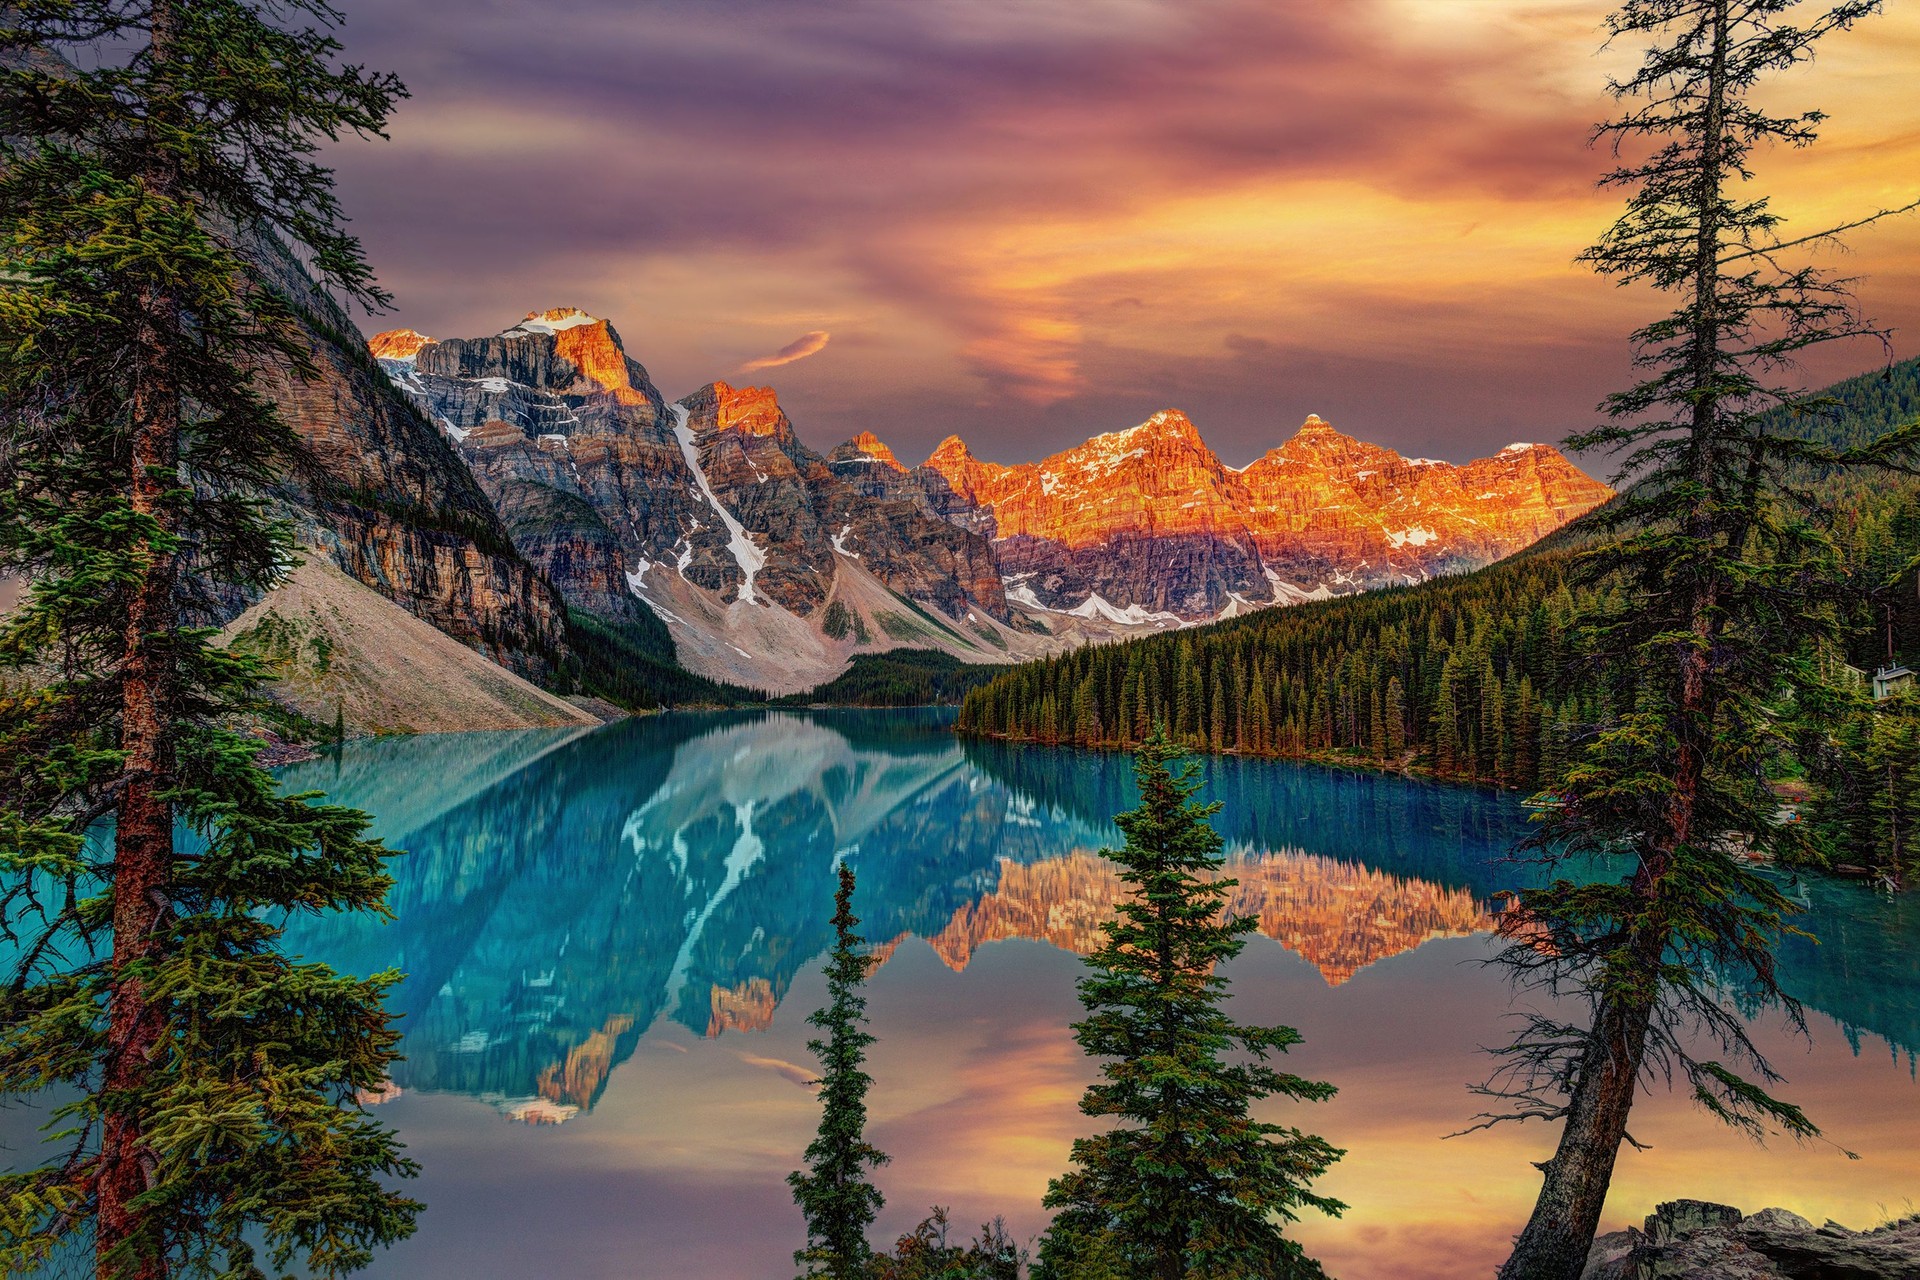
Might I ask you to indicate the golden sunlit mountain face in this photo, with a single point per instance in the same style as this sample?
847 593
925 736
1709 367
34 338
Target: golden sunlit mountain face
1030 223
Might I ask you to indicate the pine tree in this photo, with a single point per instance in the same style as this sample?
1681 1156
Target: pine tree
1710 629
1446 734
1396 714
1217 714
155 165
833 1193
1186 712
1191 1185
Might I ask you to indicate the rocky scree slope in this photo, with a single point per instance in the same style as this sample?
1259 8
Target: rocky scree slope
344 655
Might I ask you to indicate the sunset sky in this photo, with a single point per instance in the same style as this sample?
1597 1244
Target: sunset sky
1027 221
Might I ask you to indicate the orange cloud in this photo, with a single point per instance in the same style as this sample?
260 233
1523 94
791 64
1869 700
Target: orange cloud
800 348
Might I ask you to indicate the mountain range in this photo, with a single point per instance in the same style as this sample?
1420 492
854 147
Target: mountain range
771 564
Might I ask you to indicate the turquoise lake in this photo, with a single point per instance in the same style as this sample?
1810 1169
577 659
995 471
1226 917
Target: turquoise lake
612 939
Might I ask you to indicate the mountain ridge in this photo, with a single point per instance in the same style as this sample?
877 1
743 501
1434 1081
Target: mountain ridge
772 564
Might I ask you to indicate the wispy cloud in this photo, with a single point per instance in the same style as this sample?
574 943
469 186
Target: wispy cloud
793 1071
799 349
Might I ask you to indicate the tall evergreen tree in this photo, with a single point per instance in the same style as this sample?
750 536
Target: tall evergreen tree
156 158
833 1193
1191 1185
1715 623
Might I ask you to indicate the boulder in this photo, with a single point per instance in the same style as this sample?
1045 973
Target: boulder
1698 1240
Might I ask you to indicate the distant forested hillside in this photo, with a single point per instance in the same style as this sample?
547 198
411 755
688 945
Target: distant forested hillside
898 678
632 664
1867 406
1478 678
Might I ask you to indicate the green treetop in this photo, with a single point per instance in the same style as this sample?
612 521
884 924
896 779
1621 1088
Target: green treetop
833 1193
1190 1184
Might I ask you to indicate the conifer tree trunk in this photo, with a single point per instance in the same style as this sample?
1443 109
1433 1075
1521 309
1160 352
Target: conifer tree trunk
1557 1238
125 1247
1560 1233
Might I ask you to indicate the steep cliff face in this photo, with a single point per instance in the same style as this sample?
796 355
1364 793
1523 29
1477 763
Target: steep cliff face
1326 505
574 445
768 565
765 480
1129 525
382 494
1148 525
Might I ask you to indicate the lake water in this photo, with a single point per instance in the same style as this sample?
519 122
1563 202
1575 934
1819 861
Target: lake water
612 941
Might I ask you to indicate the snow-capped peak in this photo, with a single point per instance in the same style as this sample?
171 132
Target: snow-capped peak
552 321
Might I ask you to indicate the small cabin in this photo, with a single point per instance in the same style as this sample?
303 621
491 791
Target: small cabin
1888 681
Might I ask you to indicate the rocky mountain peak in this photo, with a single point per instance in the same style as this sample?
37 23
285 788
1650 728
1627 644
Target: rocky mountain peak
1168 424
1319 444
871 445
752 411
1317 431
965 475
397 344
589 344
1167 427
951 452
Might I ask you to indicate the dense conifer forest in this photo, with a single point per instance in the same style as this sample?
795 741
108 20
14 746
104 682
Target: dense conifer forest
898 678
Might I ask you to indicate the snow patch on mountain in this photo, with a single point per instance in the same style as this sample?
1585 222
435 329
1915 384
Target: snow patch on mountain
1021 593
1134 615
1285 592
1095 606
550 322
746 554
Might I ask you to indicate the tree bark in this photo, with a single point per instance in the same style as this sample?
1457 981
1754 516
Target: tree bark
1557 1238
127 1244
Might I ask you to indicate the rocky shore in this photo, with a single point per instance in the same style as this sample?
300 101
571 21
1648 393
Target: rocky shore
1697 1240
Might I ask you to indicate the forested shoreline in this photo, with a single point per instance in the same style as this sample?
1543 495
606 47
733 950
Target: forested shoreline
1487 678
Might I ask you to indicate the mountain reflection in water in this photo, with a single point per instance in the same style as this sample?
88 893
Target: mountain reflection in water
564 892
565 895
